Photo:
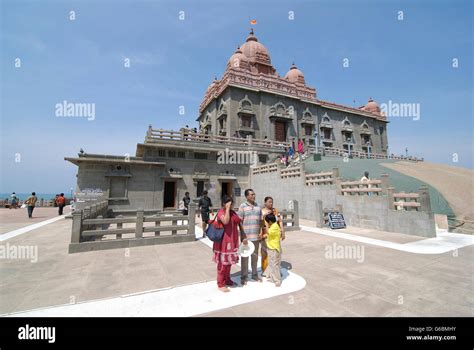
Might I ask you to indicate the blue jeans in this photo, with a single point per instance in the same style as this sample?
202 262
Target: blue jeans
30 211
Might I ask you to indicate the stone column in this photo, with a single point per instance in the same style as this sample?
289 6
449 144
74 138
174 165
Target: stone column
296 215
139 224
192 218
319 213
390 192
425 199
385 183
76 226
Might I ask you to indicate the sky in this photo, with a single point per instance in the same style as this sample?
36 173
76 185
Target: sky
420 56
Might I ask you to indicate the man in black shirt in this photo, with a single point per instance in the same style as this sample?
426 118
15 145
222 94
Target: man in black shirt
186 200
205 206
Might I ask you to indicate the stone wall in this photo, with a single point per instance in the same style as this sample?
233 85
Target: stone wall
365 211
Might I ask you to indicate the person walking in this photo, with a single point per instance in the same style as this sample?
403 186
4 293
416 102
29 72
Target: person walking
204 208
186 201
61 202
31 202
226 251
251 215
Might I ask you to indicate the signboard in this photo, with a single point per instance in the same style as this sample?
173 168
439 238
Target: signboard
336 220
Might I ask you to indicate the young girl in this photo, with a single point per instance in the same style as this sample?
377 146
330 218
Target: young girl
273 239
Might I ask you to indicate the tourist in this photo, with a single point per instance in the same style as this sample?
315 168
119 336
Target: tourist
300 147
251 215
30 202
366 178
14 201
61 202
268 209
291 152
273 239
186 201
204 208
226 251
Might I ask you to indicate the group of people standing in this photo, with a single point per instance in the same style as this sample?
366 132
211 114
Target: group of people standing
262 226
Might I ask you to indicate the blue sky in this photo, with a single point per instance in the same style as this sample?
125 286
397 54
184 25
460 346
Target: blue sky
173 61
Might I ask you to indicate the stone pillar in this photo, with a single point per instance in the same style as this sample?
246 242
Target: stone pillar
337 182
192 218
385 183
119 225
76 226
390 199
139 224
249 138
335 172
319 213
296 215
425 199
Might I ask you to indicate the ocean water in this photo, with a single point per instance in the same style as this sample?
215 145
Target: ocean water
23 196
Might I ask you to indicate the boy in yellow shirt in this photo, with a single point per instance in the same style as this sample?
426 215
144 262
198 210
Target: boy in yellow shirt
273 239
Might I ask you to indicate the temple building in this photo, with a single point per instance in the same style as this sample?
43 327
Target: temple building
250 111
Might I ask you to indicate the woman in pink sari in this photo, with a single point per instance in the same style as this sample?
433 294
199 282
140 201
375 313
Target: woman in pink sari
300 147
226 251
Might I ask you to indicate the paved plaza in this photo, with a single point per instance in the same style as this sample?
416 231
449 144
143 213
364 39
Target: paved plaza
179 279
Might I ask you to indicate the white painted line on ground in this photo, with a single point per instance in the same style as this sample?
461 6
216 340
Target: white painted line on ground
20 231
443 243
182 301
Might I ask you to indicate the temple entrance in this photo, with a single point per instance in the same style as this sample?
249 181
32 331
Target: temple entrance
169 195
226 188
280 131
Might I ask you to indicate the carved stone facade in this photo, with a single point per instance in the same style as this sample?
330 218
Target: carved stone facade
252 99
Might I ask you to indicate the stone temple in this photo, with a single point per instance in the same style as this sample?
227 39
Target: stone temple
250 111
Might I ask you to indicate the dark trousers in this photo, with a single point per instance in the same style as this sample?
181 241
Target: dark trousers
61 207
30 211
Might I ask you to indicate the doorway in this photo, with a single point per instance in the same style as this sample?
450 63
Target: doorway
169 194
226 189
280 131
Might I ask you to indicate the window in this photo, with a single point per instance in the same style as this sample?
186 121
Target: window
308 130
161 153
118 187
246 121
172 154
237 192
200 188
181 154
327 134
200 155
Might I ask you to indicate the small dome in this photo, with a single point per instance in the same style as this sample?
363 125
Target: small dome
237 58
214 82
252 47
372 107
294 74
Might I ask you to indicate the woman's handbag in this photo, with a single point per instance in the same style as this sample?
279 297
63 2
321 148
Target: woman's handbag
215 230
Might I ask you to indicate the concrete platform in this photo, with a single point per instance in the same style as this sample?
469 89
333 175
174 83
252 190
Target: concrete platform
386 282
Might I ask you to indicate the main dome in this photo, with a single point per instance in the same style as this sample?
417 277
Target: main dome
254 50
